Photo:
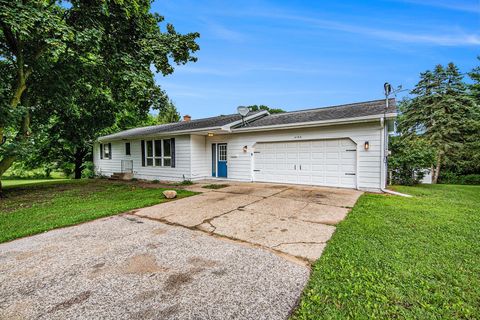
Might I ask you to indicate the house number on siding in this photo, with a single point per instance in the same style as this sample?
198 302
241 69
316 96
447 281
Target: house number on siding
297 137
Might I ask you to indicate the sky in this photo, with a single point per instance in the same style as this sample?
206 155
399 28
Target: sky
304 54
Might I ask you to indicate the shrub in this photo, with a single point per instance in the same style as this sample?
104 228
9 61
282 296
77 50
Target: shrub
88 171
452 178
409 159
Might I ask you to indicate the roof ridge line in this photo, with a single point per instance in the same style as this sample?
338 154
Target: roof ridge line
329 107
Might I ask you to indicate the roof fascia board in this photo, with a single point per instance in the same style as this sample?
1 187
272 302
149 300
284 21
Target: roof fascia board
317 123
165 133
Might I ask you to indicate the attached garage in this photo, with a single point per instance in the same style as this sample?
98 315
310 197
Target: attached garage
330 162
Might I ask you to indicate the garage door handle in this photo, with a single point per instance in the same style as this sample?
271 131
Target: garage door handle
349 174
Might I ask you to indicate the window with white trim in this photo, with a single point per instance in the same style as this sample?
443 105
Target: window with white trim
158 153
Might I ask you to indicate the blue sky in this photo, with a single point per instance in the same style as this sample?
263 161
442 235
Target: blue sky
303 54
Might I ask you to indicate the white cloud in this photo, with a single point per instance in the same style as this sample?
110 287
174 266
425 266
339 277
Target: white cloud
221 32
453 39
458 5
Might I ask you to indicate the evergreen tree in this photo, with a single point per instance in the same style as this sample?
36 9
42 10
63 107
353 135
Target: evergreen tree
441 112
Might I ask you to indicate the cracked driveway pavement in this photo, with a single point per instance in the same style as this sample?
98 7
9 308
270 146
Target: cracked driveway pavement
216 255
289 219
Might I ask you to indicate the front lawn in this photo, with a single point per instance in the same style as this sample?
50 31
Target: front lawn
17 182
31 209
407 258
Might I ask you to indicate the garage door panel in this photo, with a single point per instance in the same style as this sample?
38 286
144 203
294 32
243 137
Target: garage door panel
332 156
331 168
332 143
304 155
348 168
319 162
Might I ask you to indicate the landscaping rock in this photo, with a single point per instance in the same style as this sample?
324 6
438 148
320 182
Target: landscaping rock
170 194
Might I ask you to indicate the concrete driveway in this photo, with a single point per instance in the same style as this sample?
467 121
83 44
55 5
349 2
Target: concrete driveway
287 219
217 255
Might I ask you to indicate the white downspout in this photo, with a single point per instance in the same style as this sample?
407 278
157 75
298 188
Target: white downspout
383 159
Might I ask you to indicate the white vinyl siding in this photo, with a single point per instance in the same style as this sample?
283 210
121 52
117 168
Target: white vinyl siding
200 165
181 171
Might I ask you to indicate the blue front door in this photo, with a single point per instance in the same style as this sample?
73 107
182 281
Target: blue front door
222 160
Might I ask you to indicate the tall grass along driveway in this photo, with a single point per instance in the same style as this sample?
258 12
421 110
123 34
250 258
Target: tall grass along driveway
407 258
32 209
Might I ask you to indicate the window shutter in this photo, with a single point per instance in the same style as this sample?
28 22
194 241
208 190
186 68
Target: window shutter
101 150
110 151
172 150
143 152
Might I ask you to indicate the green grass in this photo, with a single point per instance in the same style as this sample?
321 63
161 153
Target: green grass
8 183
401 258
39 207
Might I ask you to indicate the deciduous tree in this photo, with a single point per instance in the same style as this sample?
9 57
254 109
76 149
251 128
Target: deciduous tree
84 64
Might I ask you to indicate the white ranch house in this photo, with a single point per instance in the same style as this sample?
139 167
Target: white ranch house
338 146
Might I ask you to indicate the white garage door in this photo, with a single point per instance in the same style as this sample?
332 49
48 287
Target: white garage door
316 162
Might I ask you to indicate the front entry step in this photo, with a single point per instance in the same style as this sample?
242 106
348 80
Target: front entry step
121 176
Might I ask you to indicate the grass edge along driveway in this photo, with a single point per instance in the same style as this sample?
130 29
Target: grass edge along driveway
36 208
407 258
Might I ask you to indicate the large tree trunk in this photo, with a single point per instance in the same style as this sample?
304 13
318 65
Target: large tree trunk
79 157
78 170
436 173
21 136
18 95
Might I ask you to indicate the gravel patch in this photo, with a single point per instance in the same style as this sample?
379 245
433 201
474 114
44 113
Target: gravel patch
126 267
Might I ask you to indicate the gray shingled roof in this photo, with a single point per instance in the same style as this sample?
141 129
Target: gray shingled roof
347 111
353 110
213 122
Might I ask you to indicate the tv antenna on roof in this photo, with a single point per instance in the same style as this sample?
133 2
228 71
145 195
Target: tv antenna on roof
243 111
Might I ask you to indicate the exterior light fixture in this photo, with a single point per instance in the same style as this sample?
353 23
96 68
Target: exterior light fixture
245 148
210 134
366 145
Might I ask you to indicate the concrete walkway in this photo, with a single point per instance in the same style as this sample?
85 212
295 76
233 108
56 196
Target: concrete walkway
125 267
289 219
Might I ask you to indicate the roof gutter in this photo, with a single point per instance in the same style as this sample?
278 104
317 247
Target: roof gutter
165 133
318 123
